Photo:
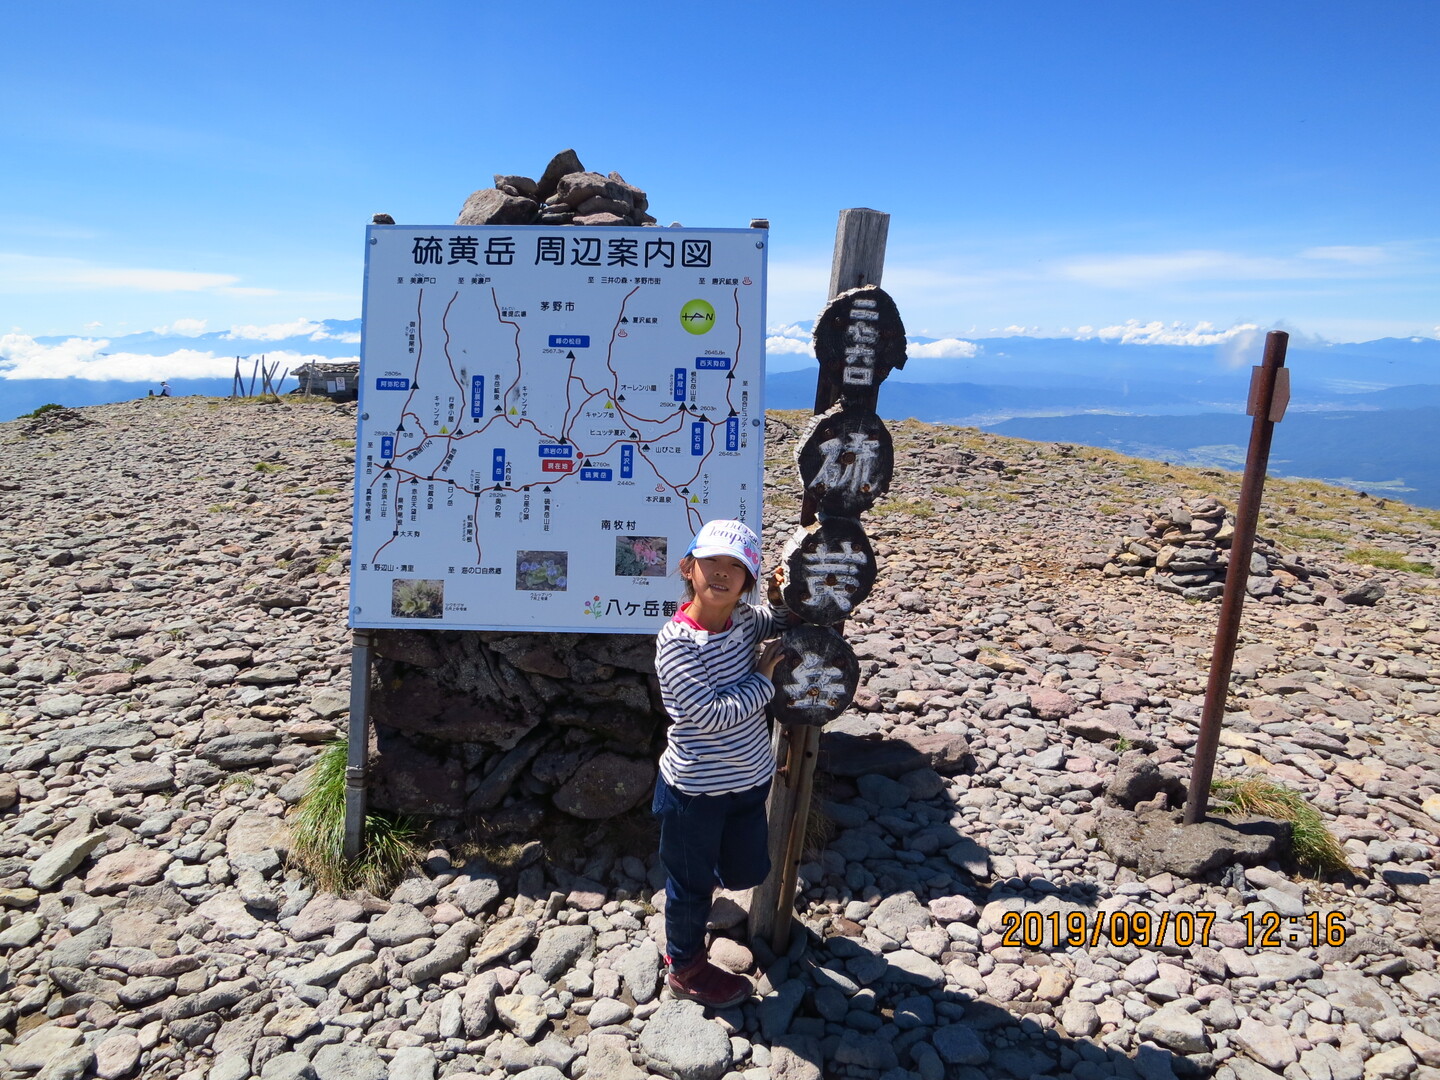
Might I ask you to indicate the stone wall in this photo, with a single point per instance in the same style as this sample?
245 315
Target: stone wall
511 726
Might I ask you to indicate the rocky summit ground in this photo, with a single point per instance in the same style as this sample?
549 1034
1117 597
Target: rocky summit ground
173 652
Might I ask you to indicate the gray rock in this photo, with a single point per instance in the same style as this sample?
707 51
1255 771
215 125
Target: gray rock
678 1042
606 786
474 895
1268 1044
1139 779
324 970
322 915
243 751
777 1010
959 1044
234 1066
39 1045
559 948
502 939
287 1066
1366 594
640 968
897 915
1175 1029
523 1014
1156 843
400 925
413 1063
448 954
477 1008
57 863
348 1061
144 778
883 791
607 1011
490 206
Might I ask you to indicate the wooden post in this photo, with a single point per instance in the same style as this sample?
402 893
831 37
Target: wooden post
859 260
1269 394
859 250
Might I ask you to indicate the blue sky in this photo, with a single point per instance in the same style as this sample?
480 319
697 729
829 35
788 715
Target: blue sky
1053 168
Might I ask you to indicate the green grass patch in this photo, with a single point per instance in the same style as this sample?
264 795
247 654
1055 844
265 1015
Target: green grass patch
41 411
391 844
1387 560
1311 532
1315 848
912 507
268 467
328 564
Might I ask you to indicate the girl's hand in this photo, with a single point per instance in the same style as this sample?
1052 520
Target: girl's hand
772 587
770 655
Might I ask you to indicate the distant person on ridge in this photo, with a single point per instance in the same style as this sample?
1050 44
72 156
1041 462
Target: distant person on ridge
164 389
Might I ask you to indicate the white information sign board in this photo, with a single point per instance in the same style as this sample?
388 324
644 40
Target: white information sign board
547 415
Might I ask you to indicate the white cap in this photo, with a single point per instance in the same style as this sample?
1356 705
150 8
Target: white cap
733 538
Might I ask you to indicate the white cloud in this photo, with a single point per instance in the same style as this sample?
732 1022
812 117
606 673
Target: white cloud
1155 332
945 349
182 328
275 331
780 344
22 357
306 328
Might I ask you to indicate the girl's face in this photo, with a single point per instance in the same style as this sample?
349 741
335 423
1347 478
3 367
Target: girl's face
719 581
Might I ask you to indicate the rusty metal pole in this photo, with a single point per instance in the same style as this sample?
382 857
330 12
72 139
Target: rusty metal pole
1269 393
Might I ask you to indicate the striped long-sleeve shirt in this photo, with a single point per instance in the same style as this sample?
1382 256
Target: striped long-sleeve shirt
718 739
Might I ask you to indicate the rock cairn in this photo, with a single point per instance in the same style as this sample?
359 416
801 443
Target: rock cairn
565 194
1185 550
173 653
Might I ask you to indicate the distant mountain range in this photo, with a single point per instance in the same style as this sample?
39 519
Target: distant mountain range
1366 415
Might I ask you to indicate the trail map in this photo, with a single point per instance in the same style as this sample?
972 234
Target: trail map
547 415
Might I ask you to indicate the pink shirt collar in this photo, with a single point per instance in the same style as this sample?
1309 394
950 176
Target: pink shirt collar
683 617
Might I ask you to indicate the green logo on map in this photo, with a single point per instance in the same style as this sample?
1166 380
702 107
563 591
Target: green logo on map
698 317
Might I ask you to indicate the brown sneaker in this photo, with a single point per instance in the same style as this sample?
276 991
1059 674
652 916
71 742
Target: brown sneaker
711 986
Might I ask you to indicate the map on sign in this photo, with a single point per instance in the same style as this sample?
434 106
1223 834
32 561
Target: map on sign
547 415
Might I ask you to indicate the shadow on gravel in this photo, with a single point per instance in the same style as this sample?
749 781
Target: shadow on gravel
894 837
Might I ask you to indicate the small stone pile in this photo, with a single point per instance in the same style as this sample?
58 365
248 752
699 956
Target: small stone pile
1185 550
566 194
53 419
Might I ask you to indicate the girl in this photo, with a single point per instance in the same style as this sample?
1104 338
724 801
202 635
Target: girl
716 769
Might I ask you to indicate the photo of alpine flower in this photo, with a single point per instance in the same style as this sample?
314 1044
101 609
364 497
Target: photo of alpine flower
640 556
541 571
417 598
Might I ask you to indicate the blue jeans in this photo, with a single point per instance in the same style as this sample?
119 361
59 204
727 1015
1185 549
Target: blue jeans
705 839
